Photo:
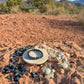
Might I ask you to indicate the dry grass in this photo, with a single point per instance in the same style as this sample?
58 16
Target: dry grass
34 11
81 16
56 11
15 9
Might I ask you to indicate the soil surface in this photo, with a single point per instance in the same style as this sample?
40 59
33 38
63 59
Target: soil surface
19 30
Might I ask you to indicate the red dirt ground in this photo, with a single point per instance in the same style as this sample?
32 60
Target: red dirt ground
18 30
27 28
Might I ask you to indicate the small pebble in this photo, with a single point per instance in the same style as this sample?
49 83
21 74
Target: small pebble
62 71
67 54
47 71
52 75
30 70
53 70
61 54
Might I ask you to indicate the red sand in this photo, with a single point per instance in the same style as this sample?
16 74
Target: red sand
17 30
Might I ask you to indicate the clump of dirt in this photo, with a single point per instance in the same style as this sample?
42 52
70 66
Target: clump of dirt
64 33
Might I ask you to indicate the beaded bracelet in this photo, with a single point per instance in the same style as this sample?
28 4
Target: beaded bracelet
35 57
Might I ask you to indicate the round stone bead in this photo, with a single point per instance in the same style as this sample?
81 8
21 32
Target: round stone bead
65 65
62 71
16 78
47 71
38 79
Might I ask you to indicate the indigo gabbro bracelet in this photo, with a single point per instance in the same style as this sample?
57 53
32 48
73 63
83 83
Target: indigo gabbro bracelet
40 53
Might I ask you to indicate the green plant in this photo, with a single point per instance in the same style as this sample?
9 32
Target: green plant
40 4
3 8
56 11
15 5
73 10
43 9
11 3
59 4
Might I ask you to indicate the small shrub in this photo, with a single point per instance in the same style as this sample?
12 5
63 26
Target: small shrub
56 10
59 4
74 10
3 8
34 11
43 9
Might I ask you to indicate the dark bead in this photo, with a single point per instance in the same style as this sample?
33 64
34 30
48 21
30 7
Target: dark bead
20 69
14 54
12 60
22 73
33 76
6 68
20 53
24 49
36 73
11 79
17 74
43 75
33 73
12 70
25 68
17 83
12 67
16 59
17 54
38 79
29 46
16 78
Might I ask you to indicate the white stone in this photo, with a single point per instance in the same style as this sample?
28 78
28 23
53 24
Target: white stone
52 75
53 70
47 71
62 71
47 76
65 65
43 69
36 47
67 54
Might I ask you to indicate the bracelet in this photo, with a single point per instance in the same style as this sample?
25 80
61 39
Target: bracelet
35 57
